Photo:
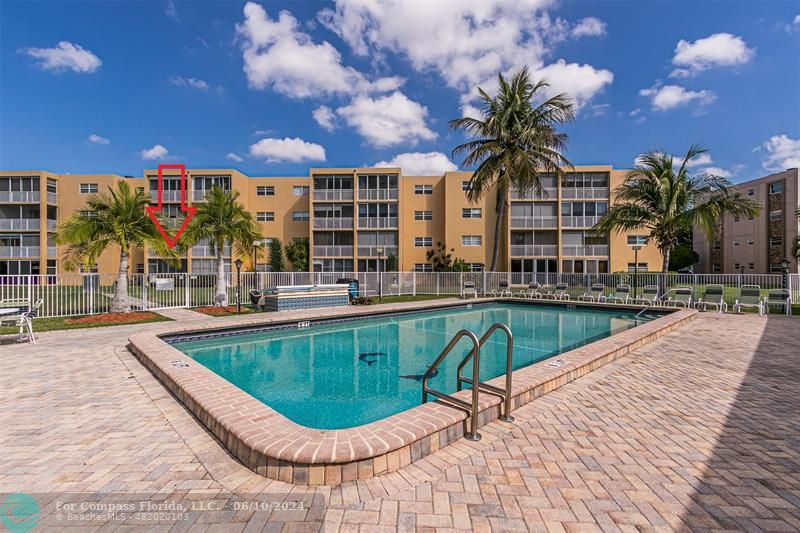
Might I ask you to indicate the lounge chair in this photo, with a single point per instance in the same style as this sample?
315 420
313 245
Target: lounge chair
502 289
713 297
621 294
559 292
595 294
532 291
22 320
749 296
681 296
469 290
779 298
649 296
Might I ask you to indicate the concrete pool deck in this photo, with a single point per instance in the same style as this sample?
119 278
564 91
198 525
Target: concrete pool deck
697 430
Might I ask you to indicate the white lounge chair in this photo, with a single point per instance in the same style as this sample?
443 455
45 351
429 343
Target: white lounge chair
713 297
595 294
502 289
533 290
649 296
749 296
21 320
779 298
559 292
469 290
681 296
621 294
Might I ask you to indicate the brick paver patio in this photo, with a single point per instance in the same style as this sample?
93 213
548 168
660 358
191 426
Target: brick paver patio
699 430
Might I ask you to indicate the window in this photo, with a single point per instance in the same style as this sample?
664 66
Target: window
423 215
750 243
92 269
776 215
476 267
716 268
265 216
88 188
420 242
300 190
470 240
736 266
637 240
140 268
736 243
750 192
88 214
775 188
776 241
633 268
471 212
776 268
423 189
423 267
751 266
265 190
465 186
300 216
736 219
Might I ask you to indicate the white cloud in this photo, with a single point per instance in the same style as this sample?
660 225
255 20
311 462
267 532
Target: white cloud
325 117
278 55
156 152
717 50
637 116
666 97
194 83
233 156
581 82
420 163
98 139
292 150
716 171
589 26
696 161
793 26
780 152
468 110
171 11
387 120
599 110
65 56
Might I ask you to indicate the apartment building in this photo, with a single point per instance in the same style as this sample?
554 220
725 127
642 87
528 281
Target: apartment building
356 219
756 245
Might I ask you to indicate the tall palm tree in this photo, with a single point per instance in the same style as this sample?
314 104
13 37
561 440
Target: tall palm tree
513 142
118 218
667 200
220 220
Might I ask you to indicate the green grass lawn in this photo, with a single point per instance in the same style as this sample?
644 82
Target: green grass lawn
60 323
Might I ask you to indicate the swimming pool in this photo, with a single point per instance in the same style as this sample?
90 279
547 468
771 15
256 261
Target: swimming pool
348 373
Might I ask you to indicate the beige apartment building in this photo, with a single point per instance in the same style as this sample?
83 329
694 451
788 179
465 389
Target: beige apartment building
356 219
759 244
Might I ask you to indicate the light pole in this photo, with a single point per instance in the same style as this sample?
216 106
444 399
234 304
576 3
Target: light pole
238 264
636 248
256 246
379 251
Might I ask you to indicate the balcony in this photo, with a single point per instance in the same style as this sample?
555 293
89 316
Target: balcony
580 222
23 224
333 195
376 222
52 252
547 194
584 250
333 251
52 224
167 197
23 197
534 222
202 250
333 222
534 250
52 198
377 194
584 192
372 250
19 251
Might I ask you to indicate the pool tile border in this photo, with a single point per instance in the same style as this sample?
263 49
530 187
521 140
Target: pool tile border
272 445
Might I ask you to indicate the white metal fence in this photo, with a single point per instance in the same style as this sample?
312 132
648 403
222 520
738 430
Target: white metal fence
83 294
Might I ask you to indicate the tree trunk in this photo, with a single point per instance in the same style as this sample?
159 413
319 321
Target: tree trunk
221 296
121 303
498 226
665 253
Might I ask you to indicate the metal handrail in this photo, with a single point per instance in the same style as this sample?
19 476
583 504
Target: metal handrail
649 306
472 408
503 393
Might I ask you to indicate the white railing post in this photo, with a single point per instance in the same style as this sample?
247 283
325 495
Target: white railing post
414 283
30 289
188 290
438 275
484 283
144 292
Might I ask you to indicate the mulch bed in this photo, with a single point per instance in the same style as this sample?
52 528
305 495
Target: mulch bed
220 311
114 318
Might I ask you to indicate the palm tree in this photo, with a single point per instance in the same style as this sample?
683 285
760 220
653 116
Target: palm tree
221 220
666 201
114 218
513 142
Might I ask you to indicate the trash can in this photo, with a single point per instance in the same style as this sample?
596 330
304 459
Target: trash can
353 286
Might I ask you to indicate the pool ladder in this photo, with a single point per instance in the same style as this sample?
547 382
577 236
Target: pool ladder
475 355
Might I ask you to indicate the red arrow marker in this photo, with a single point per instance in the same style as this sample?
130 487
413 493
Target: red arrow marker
190 211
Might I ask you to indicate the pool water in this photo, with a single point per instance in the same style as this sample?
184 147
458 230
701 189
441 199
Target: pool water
340 375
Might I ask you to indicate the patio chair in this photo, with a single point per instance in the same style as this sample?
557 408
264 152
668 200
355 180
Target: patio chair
559 292
621 294
681 296
649 296
502 289
749 296
533 290
595 294
22 320
713 297
469 290
779 298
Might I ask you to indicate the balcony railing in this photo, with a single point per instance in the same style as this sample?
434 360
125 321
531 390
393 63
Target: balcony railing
375 222
534 222
52 252
24 224
372 251
206 251
19 251
584 192
584 250
333 222
52 224
333 195
534 250
52 198
167 197
580 222
26 197
333 251
377 194
547 194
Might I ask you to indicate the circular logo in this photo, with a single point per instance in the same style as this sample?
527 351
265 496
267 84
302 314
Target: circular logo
19 512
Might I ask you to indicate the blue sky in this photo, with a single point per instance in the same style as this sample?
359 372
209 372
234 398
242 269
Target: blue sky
274 88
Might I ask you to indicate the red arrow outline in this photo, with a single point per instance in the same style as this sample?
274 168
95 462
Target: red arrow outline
190 211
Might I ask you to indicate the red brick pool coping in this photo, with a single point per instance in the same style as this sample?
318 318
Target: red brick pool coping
272 445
